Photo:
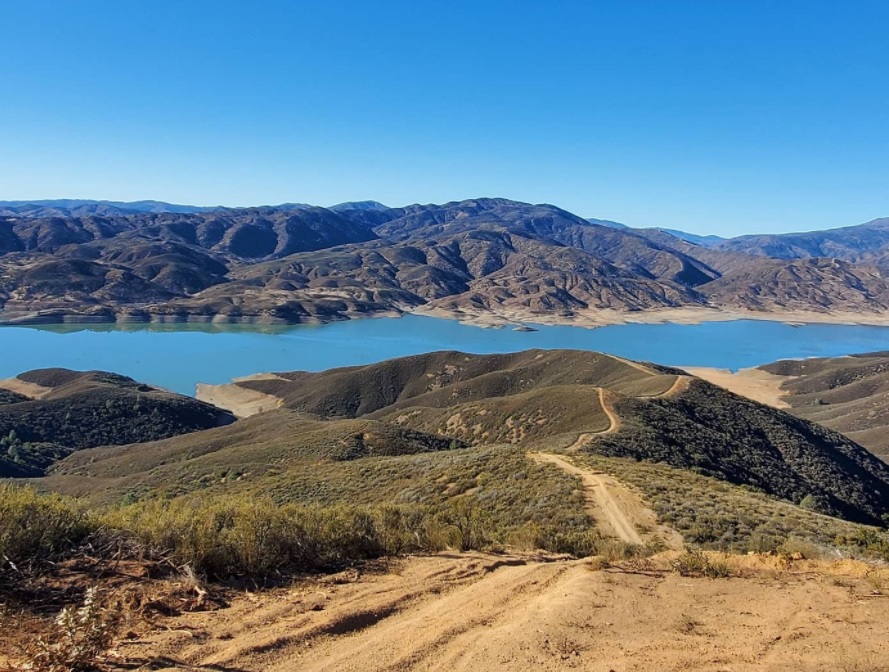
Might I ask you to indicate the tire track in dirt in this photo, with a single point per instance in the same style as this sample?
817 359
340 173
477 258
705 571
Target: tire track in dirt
390 622
462 612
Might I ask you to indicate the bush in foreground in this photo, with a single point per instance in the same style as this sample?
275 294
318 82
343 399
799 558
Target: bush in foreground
256 537
35 527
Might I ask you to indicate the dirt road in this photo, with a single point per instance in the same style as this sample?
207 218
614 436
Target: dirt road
462 612
612 505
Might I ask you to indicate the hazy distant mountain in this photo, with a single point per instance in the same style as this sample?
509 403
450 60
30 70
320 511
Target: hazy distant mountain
695 239
607 222
707 241
67 207
282 206
358 205
867 243
85 207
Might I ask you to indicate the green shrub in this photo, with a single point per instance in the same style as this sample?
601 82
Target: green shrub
870 541
250 536
35 527
696 563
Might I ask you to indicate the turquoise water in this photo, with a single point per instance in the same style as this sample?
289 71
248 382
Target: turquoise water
179 356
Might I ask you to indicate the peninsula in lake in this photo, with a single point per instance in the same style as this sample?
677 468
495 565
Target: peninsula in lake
486 260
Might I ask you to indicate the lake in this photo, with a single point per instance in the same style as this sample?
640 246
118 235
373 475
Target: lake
180 356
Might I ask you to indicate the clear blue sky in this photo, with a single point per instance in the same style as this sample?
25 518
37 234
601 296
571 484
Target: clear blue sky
712 116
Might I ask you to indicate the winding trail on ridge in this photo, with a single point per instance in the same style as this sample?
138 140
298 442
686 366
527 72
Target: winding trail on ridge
679 385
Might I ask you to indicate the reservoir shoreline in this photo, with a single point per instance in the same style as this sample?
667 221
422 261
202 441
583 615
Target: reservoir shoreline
178 356
511 317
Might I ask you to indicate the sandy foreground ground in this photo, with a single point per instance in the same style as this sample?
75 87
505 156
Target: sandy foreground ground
477 611
505 317
752 383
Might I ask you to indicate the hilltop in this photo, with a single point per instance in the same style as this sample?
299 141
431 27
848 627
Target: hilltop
49 413
485 257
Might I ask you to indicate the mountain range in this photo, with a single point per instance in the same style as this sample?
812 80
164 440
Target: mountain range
90 260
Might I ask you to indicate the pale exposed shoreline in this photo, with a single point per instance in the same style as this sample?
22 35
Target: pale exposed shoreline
502 317
511 317
241 401
752 383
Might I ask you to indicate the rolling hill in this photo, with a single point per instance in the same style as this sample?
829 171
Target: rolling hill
663 416
447 403
848 394
49 413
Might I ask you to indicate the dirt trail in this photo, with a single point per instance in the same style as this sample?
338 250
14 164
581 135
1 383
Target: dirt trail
613 417
679 386
463 612
616 510
582 440
635 365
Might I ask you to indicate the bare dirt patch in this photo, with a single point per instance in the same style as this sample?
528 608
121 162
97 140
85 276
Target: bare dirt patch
32 390
753 383
241 401
522 612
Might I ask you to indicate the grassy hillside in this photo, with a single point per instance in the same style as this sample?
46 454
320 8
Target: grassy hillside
446 400
532 395
267 443
442 379
435 451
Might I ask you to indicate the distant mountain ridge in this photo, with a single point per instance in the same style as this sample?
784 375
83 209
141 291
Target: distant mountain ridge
73 207
297 263
864 243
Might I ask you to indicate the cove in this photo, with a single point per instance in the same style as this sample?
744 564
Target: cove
179 356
